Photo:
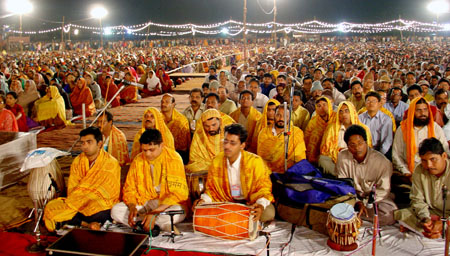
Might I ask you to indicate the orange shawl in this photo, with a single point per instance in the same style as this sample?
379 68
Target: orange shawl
329 146
91 190
204 147
261 124
252 119
314 133
408 133
80 96
160 126
179 127
254 176
118 146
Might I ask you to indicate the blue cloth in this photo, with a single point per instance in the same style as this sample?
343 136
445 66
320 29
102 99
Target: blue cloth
381 130
398 111
266 90
303 184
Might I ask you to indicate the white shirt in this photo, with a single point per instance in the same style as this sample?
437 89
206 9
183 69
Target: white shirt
234 179
260 102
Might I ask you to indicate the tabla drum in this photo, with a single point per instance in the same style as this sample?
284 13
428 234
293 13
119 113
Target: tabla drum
343 227
39 182
228 221
196 183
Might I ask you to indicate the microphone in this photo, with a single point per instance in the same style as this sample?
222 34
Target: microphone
129 83
172 212
371 198
53 183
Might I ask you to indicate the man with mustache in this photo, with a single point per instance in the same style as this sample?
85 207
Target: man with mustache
195 110
271 143
357 97
367 167
177 124
152 119
246 114
212 102
207 141
230 168
426 194
418 125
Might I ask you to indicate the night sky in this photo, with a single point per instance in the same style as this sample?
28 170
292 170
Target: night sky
130 12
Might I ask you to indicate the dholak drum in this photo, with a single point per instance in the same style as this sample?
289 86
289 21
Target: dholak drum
343 227
39 181
229 221
196 183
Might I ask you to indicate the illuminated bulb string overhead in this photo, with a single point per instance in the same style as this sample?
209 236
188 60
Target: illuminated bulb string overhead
234 28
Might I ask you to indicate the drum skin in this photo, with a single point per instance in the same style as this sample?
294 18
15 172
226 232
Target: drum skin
229 221
39 182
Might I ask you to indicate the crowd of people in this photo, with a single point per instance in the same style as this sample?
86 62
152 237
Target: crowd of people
376 112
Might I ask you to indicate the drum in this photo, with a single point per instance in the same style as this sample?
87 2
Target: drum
196 183
229 221
39 181
343 227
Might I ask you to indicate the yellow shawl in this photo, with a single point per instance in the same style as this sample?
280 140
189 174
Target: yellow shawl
261 124
179 127
255 179
407 127
204 147
160 126
91 190
49 107
314 133
329 146
118 146
252 119
168 173
271 148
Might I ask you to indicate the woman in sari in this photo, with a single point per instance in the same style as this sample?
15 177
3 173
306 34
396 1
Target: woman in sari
17 110
8 121
28 97
166 82
152 84
80 95
108 82
50 109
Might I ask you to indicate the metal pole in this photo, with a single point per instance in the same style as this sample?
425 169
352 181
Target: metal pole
244 35
101 33
401 32
286 138
62 32
83 111
274 23
21 32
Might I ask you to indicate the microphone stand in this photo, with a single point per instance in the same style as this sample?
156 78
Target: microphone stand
38 247
376 229
287 127
172 226
445 229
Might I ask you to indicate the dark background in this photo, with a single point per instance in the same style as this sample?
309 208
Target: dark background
129 12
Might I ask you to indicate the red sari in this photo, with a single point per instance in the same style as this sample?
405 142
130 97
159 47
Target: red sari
80 96
111 92
166 82
22 121
129 93
8 121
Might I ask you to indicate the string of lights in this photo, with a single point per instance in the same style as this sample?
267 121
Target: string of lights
234 28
